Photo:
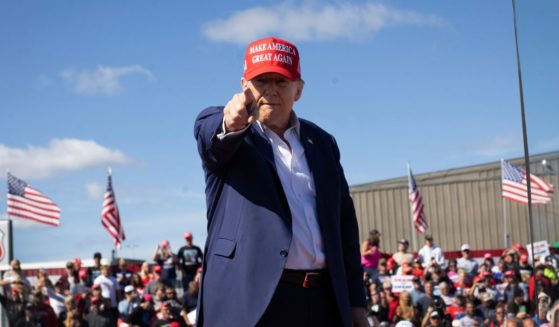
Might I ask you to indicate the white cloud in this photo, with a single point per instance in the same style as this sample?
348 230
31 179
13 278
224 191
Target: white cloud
59 155
310 22
94 190
104 80
497 146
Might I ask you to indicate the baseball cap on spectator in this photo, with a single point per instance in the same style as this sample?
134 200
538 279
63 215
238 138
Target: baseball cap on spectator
175 324
77 262
523 258
509 273
390 263
188 235
164 243
96 287
465 247
404 323
487 256
542 295
69 264
517 246
147 298
129 289
82 273
157 269
97 255
518 292
272 55
486 274
429 237
403 241
434 314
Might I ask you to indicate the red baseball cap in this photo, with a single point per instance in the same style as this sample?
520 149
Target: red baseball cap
487 256
272 55
77 262
188 235
524 257
509 273
164 243
157 269
83 273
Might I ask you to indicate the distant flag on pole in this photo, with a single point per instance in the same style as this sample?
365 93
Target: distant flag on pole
514 186
416 204
110 218
24 201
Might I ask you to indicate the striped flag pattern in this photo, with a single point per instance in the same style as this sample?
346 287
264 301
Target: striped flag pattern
514 186
416 203
110 218
24 201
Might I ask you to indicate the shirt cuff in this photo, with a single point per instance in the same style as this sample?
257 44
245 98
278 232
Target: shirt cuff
224 135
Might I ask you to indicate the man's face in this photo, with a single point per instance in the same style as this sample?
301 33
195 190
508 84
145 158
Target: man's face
15 265
466 254
469 309
105 271
429 288
402 247
274 96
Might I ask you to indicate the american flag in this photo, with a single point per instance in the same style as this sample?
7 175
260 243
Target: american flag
26 202
515 188
110 218
416 203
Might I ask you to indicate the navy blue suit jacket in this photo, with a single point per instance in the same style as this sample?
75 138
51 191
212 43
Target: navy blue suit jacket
249 222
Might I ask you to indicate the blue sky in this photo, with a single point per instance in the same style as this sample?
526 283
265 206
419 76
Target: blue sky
87 85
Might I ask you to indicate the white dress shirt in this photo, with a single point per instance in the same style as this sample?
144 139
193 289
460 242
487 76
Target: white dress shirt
306 249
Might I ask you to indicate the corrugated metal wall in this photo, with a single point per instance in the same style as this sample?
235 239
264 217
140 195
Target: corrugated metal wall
462 206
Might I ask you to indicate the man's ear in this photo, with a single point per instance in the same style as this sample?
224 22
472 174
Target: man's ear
244 83
300 87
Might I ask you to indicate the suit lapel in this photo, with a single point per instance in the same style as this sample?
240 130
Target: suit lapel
314 155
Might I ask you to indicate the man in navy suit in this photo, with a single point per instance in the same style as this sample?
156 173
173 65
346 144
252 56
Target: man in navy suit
282 246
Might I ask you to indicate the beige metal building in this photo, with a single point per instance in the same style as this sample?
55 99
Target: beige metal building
462 205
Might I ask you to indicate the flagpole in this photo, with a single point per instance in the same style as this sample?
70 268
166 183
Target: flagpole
525 141
505 218
414 237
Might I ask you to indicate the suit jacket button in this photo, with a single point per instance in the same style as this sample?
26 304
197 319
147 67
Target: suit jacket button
283 253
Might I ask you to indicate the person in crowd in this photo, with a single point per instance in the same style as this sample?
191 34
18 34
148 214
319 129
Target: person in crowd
163 255
456 309
542 283
392 301
145 273
499 271
95 317
466 262
406 310
525 268
428 298
109 285
470 318
549 269
15 273
128 304
484 286
378 306
14 304
159 297
56 298
430 253
417 268
436 275
462 284
43 311
544 302
156 283
123 275
81 286
70 277
500 316
432 319
143 314
452 270
165 317
417 292
137 283
514 287
402 255
29 319
486 308
382 273
510 260
488 260
445 293
190 297
370 253
95 270
190 258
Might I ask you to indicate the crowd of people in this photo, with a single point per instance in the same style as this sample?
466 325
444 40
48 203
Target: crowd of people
105 294
426 289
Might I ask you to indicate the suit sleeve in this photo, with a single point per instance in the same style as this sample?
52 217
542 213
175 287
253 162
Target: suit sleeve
350 241
214 151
